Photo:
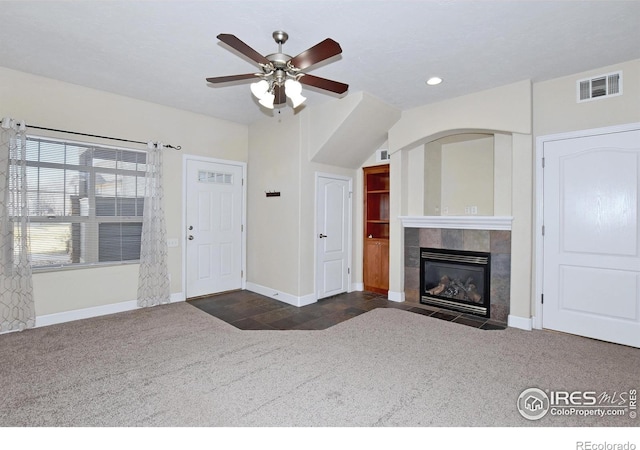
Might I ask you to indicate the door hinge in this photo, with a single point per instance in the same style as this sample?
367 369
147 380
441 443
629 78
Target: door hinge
543 230
542 299
241 227
348 270
242 274
543 162
350 194
242 181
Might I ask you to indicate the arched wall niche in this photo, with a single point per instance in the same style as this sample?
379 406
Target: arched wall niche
459 172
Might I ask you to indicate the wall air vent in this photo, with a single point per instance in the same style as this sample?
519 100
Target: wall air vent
600 87
382 155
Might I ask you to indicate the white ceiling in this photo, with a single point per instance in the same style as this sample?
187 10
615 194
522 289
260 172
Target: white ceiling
162 51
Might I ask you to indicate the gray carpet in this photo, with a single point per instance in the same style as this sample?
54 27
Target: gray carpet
175 365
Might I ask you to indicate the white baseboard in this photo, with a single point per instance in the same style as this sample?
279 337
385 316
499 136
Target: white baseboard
537 324
95 311
281 296
178 297
359 287
307 300
85 313
395 296
524 323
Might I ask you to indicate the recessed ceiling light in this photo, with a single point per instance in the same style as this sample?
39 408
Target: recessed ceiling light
434 81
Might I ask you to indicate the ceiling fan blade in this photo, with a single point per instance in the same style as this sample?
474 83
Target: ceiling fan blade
243 48
245 76
323 83
280 96
319 52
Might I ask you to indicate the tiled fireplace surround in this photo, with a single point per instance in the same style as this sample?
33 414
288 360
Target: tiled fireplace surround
495 242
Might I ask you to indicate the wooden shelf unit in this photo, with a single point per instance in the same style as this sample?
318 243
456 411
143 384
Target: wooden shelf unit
376 229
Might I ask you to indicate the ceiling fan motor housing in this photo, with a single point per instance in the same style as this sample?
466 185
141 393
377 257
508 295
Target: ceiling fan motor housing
280 67
279 61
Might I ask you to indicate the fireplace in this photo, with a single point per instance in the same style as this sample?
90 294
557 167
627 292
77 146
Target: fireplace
456 279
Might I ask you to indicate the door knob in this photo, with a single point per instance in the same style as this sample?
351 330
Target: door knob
190 237
322 236
190 227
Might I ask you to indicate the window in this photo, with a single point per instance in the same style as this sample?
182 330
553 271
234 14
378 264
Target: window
215 177
85 203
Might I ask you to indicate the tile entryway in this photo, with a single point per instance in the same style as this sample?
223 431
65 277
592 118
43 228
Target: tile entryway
250 311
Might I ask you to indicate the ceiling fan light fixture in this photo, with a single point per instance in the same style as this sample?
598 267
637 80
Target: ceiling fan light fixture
260 89
293 90
267 100
297 101
434 81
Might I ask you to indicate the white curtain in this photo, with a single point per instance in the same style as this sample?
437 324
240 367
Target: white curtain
17 310
153 280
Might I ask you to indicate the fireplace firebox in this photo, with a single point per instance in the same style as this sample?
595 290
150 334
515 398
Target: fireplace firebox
456 280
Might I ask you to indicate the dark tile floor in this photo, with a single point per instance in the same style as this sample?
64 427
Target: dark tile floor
250 311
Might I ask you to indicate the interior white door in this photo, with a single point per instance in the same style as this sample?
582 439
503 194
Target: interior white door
332 241
214 227
591 248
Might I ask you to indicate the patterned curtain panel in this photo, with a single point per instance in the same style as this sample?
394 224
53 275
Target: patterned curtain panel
17 310
153 280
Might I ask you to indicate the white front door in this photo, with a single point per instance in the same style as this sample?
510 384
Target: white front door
591 270
214 227
333 228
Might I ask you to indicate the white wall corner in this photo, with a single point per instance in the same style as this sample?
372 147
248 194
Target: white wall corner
395 296
524 323
357 287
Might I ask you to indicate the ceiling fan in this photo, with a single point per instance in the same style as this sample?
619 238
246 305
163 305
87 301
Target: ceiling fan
282 75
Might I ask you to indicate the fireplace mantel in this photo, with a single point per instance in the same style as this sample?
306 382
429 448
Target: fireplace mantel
458 222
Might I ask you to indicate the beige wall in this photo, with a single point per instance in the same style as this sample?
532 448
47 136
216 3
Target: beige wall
522 207
502 174
273 223
467 177
416 173
433 178
556 109
281 230
53 104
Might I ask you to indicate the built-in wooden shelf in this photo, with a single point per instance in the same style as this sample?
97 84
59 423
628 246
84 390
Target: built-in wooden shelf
376 229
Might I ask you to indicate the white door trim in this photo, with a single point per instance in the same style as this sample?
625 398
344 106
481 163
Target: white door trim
183 233
316 231
539 221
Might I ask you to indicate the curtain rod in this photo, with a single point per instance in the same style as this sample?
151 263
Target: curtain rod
97 136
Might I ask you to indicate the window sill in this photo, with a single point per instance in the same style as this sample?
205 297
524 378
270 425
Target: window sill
46 269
